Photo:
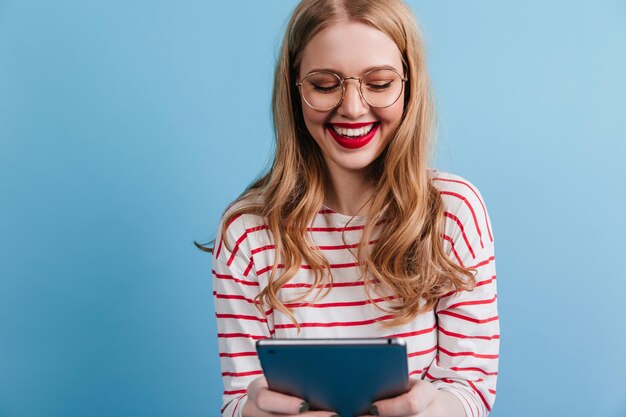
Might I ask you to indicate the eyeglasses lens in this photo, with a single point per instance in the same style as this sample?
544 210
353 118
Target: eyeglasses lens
380 88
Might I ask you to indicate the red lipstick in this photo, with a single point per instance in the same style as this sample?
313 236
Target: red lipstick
352 143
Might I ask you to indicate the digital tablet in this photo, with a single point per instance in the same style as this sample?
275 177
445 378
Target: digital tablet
341 375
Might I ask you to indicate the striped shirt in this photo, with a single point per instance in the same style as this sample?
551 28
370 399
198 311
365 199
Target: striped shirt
455 346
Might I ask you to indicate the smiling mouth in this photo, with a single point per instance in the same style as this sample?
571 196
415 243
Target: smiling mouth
353 135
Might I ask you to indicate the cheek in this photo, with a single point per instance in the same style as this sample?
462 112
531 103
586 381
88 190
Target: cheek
314 120
315 123
392 116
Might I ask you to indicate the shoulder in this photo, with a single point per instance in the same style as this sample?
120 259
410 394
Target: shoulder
463 203
457 191
236 225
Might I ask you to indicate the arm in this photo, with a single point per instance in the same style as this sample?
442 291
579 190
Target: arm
463 375
467 322
461 381
239 322
468 332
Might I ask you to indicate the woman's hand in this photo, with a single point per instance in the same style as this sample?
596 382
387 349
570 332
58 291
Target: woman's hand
422 400
262 402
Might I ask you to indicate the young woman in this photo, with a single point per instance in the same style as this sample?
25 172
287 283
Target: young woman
350 234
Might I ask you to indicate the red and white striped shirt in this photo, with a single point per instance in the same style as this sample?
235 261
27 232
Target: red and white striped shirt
455 346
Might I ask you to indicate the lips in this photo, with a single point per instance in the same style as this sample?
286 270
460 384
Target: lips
352 142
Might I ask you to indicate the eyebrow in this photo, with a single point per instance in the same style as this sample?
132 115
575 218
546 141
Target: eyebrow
341 74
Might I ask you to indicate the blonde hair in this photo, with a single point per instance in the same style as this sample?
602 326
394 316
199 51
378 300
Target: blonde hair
409 257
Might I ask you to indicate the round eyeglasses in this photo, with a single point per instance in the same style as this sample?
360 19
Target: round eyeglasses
325 90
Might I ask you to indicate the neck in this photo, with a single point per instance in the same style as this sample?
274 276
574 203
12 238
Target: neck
348 192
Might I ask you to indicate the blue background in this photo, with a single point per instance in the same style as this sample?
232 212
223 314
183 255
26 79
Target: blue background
127 127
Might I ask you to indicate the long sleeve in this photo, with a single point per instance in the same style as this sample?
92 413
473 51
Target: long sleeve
239 323
467 322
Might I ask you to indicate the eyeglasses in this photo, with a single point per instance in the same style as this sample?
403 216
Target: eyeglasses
325 90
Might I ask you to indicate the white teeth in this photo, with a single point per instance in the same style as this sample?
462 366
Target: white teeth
354 132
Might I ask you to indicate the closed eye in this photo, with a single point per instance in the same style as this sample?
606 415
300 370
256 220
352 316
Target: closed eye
379 86
326 89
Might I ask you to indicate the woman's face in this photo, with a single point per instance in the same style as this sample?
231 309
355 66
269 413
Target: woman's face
350 49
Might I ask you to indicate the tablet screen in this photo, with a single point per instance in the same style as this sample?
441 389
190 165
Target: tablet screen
341 375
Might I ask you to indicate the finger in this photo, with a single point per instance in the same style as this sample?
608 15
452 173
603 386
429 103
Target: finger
253 411
275 402
411 403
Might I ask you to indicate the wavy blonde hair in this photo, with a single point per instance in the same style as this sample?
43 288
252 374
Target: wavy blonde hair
409 257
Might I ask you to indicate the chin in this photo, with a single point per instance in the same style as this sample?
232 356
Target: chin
359 165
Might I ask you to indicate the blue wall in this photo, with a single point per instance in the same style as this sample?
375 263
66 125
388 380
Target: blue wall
127 127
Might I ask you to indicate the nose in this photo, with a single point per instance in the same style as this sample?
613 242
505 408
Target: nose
353 106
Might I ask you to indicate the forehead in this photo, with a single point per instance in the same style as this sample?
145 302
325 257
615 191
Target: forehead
350 48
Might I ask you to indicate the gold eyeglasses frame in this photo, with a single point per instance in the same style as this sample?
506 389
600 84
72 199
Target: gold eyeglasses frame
343 87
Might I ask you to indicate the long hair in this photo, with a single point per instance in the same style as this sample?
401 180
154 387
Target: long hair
408 257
